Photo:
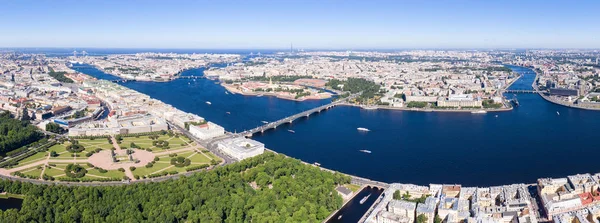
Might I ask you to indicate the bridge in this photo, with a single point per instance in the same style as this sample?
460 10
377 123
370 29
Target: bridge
290 119
523 91
191 77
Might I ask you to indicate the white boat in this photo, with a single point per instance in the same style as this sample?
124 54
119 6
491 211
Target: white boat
208 103
292 131
496 116
264 122
365 151
363 129
226 92
229 113
362 201
340 217
479 112
317 164
557 113
260 95
369 107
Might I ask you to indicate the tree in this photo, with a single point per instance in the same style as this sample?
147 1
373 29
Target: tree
421 218
53 127
437 219
15 133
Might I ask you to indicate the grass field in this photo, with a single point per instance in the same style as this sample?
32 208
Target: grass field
109 174
199 158
34 172
143 171
54 171
33 158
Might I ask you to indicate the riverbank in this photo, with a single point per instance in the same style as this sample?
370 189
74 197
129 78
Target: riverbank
428 109
233 90
557 102
142 79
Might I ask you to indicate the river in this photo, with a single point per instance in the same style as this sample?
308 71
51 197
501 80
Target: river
518 146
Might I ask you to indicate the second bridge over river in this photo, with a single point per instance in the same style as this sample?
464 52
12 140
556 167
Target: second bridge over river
290 119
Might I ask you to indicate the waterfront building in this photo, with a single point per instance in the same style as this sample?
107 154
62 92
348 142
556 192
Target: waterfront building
124 125
241 148
403 208
461 100
390 217
427 209
207 130
344 192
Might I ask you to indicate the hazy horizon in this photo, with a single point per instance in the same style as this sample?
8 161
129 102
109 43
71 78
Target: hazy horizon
332 25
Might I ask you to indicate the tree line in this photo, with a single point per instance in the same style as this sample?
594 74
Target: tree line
266 188
16 133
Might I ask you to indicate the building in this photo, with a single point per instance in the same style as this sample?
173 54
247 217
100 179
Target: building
207 130
125 125
403 208
564 92
241 148
427 209
459 100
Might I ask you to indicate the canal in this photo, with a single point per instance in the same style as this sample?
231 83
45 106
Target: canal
10 203
353 210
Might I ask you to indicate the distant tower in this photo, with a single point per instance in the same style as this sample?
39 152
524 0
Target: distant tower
12 77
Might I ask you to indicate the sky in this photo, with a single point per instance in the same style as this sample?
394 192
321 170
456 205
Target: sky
307 24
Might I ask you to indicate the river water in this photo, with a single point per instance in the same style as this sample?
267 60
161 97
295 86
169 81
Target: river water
518 146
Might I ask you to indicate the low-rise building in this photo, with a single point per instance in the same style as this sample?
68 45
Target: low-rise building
207 130
241 148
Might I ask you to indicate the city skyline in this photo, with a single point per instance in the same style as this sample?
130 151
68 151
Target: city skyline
306 24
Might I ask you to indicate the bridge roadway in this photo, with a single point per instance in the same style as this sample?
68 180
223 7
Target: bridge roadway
524 91
290 119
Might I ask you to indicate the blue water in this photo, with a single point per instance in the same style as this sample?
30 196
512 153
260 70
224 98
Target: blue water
518 146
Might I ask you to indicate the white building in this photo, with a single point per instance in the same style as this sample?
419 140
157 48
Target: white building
241 148
207 131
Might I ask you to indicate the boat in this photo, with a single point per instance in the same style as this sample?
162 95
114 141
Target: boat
292 131
317 164
229 113
496 116
369 107
362 201
340 217
363 129
557 113
365 151
208 103
260 95
226 92
264 122
479 112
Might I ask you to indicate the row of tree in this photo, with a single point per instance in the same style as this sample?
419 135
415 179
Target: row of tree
287 191
15 133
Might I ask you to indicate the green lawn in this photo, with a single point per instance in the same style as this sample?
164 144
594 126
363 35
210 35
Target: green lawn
54 171
109 174
33 158
142 171
34 172
199 158
58 148
213 156
352 187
